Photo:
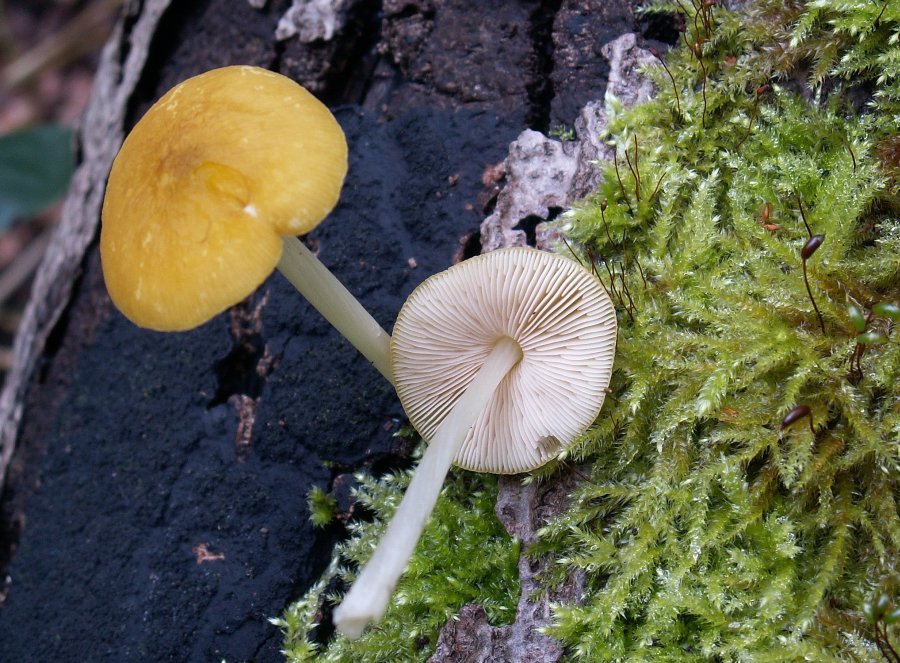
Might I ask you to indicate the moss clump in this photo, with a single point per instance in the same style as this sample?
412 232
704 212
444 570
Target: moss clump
322 506
464 556
709 533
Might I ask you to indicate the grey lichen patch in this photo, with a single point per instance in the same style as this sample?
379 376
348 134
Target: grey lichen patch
626 59
543 173
539 176
310 20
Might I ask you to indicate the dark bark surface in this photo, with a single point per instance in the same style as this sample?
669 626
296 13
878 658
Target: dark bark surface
137 448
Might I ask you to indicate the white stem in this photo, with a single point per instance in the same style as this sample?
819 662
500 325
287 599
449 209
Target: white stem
330 298
368 599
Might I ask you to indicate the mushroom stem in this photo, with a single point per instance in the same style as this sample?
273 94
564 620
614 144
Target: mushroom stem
368 599
330 298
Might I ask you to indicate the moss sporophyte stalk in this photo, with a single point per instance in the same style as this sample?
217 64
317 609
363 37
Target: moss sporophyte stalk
710 531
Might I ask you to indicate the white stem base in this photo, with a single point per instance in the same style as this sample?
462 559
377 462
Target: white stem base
368 599
330 298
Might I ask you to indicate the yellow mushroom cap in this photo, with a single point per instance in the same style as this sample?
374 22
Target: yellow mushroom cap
205 186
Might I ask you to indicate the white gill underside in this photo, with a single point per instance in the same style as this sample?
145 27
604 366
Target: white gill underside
561 318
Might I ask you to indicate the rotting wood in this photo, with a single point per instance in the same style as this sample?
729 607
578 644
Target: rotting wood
99 137
102 133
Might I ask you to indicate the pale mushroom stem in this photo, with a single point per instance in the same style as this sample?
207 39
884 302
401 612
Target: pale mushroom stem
330 298
368 599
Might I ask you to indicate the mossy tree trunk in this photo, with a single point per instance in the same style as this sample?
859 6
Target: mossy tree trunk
146 456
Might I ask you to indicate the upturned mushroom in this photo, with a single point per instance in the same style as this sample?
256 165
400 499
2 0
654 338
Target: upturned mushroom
206 198
500 363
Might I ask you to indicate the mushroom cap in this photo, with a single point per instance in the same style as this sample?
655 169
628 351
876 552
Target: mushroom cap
205 186
558 313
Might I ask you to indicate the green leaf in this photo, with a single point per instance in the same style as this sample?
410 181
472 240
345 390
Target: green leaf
892 617
871 337
35 168
868 612
859 320
881 606
887 310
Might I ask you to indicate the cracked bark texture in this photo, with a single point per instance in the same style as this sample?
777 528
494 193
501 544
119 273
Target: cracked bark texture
129 449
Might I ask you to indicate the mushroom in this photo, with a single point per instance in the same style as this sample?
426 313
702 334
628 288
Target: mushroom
500 363
206 198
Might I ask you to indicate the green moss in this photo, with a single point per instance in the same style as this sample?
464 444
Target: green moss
464 556
321 506
709 533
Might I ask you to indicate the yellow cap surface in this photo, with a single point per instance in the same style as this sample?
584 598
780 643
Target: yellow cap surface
205 186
